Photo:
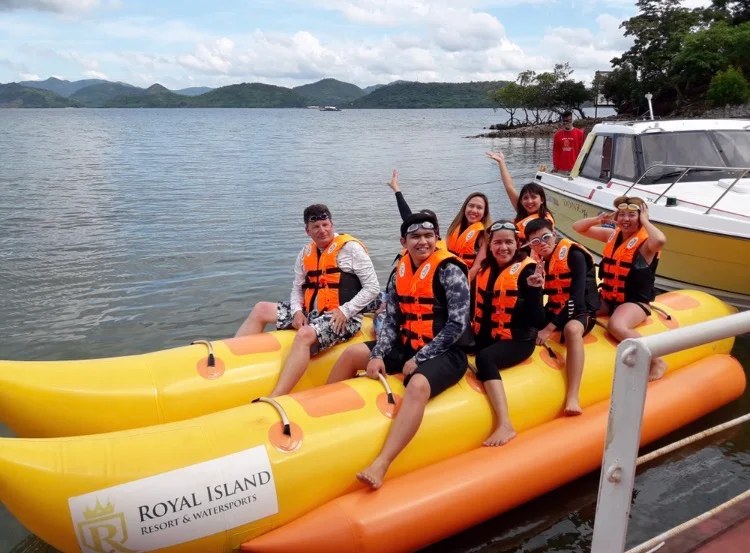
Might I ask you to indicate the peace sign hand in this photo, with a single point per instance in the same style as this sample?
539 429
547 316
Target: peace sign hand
536 279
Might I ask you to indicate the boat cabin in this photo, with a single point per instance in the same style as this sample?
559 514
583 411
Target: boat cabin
657 152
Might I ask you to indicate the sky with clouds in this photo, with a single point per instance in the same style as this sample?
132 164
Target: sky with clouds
183 43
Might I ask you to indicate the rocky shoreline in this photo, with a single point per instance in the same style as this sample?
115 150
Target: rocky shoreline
548 129
544 130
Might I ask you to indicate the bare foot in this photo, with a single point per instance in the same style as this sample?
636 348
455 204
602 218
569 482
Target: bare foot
501 436
373 475
572 409
657 369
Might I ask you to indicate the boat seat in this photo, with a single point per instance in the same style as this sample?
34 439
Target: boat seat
742 186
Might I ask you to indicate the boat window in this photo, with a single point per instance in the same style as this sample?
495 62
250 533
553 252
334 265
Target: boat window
598 162
678 151
625 158
735 145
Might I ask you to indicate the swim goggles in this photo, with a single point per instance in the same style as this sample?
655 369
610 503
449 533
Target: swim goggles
503 226
427 225
543 238
321 217
628 207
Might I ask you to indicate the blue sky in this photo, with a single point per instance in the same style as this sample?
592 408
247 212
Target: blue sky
292 42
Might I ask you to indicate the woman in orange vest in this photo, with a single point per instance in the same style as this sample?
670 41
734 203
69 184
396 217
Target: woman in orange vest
506 312
465 235
628 267
530 203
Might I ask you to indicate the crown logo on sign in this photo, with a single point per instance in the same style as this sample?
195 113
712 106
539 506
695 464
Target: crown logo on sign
99 510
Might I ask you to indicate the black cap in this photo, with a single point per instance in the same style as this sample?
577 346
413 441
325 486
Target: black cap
419 217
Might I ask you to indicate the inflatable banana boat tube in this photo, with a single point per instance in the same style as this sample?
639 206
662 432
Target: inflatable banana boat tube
486 482
65 398
213 482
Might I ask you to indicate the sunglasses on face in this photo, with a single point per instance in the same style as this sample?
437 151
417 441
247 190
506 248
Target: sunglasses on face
503 226
322 217
628 207
427 225
543 238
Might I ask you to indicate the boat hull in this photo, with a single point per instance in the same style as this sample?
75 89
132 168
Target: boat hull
213 482
486 482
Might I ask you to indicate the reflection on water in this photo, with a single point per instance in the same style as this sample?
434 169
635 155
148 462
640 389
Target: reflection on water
126 231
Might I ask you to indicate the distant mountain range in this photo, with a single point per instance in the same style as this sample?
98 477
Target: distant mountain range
100 93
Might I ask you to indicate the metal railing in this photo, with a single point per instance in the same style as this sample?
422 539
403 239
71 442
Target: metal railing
625 418
680 171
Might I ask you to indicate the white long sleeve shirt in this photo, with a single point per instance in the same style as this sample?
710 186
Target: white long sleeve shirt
352 258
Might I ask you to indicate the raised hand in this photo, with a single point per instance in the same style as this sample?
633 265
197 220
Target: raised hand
393 183
604 217
497 156
643 217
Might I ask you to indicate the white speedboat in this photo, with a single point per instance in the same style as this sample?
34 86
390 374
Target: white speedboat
329 108
695 174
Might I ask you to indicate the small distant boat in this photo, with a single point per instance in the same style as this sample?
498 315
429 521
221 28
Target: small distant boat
328 108
695 176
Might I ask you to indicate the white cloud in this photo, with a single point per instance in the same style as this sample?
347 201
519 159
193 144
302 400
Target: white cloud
91 74
57 6
210 58
29 77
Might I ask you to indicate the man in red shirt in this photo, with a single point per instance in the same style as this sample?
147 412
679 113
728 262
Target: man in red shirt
566 144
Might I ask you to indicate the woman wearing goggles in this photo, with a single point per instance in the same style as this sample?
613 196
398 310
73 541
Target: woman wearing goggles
465 235
628 267
530 202
506 312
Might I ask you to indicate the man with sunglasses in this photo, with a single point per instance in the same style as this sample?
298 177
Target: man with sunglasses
566 145
427 318
628 267
334 280
569 281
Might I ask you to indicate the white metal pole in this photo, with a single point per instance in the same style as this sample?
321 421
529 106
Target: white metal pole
697 334
626 414
623 438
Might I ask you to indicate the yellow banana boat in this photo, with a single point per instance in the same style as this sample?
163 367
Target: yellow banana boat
65 398
213 482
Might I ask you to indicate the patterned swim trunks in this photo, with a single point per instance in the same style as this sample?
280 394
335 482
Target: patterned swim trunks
321 322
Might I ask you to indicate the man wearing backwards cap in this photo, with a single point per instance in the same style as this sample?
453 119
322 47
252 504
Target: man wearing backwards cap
427 315
334 280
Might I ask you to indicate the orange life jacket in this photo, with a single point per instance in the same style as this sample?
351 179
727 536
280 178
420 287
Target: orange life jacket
617 263
326 287
423 316
464 244
559 278
501 299
521 225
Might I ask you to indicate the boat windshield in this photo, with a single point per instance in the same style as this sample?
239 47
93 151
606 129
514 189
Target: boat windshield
690 149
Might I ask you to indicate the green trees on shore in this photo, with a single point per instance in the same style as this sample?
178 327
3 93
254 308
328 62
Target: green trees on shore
684 57
677 52
542 96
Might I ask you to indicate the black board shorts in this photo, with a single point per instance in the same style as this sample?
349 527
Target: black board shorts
441 372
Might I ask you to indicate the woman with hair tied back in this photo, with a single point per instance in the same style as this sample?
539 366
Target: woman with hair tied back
628 267
465 236
530 203
506 312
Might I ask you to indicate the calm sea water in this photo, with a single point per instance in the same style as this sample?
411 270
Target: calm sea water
126 231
